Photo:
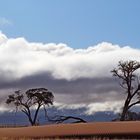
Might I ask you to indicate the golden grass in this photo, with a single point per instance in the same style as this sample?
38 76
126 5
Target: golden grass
97 131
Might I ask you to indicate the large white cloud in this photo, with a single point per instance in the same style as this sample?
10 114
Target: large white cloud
19 58
72 70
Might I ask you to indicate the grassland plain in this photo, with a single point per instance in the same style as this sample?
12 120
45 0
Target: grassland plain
80 131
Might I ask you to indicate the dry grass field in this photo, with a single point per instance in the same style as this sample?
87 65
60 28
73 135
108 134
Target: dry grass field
97 130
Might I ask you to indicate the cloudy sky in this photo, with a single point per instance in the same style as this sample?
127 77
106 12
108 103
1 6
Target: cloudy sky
69 47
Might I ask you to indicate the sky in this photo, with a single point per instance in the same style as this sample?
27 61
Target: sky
69 47
78 23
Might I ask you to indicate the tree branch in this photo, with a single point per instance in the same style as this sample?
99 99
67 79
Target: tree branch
133 104
61 119
136 91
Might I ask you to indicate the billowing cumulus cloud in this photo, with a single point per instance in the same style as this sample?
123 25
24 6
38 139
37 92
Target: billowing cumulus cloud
76 76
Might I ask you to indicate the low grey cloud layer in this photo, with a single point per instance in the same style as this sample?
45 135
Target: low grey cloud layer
76 76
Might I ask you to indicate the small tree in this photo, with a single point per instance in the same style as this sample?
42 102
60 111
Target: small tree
31 99
126 72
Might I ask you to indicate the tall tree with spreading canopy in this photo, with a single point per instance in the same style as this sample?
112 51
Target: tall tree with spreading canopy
127 72
31 99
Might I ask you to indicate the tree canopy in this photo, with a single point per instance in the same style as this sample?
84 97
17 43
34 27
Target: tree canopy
32 99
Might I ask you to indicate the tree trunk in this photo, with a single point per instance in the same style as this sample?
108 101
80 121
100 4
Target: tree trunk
30 120
36 113
125 110
123 115
28 114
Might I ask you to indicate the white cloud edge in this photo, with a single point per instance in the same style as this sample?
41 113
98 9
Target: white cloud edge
5 22
92 108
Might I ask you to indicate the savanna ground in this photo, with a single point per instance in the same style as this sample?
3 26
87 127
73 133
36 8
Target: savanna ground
81 131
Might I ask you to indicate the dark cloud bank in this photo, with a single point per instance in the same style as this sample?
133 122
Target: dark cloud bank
87 90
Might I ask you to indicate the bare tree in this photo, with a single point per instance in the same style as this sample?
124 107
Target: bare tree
129 81
31 99
61 119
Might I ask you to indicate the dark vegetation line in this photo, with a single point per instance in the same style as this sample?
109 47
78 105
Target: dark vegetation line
96 137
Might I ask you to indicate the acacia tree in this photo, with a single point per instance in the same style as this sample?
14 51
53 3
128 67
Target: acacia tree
129 81
31 99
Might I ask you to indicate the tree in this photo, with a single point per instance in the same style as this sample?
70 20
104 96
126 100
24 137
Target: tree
31 99
129 81
61 119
